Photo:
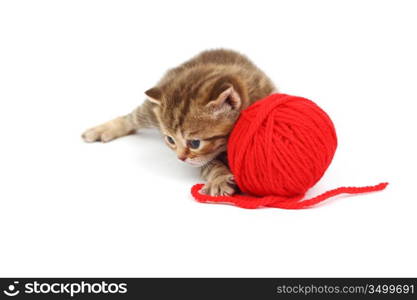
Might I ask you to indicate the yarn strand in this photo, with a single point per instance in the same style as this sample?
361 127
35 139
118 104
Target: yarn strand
296 202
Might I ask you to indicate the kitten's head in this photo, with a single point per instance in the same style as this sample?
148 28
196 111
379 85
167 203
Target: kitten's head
197 118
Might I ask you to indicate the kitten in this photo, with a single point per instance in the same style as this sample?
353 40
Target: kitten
195 106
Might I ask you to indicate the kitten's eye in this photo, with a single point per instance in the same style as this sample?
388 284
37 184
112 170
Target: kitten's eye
194 144
170 140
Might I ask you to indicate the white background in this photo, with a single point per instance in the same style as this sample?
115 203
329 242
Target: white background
124 209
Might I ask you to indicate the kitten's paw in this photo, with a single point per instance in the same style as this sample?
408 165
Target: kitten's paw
99 133
220 186
106 132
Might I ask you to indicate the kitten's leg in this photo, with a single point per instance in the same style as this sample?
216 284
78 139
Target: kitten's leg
220 180
141 117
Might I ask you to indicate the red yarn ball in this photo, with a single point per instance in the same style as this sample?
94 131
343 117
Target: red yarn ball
281 146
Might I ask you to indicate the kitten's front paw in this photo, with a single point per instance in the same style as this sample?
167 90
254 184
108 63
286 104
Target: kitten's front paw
106 132
99 133
220 186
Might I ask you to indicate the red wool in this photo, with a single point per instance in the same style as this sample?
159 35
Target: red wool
279 148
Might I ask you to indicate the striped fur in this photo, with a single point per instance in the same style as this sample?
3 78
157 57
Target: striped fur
199 100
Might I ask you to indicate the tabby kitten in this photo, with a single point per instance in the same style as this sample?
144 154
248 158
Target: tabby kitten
195 106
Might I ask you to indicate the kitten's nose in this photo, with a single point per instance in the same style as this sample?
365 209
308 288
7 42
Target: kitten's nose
182 157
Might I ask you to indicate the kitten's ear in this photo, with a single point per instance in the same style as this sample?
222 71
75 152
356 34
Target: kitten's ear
154 95
228 98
